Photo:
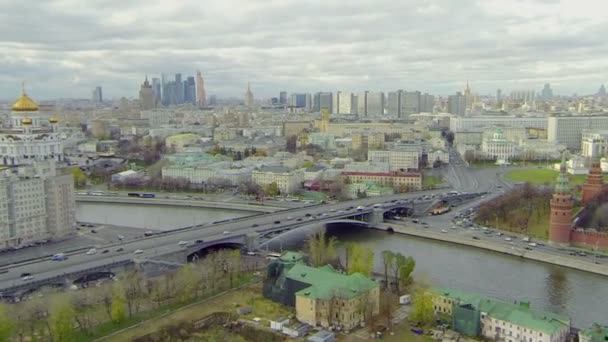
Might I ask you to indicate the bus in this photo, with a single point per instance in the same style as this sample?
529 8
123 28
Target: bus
141 195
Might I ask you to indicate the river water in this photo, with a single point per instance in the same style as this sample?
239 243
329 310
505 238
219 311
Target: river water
151 216
580 295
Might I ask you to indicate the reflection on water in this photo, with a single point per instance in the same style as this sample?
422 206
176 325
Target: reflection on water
580 295
558 289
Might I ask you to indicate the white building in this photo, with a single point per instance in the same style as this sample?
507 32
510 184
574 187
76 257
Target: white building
397 160
288 181
568 130
497 147
198 174
35 204
458 124
594 142
27 137
438 155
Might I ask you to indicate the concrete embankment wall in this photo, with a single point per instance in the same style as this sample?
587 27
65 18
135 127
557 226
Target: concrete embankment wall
535 254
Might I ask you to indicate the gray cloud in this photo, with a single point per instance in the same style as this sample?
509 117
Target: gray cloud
65 48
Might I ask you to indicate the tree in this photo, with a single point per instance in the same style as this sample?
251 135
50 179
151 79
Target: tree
62 320
388 259
360 259
186 283
80 179
320 248
118 309
422 306
402 268
272 189
7 325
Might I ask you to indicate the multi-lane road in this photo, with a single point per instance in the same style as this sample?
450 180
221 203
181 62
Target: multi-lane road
168 243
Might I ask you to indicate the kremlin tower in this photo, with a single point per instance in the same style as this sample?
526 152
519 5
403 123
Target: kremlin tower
594 184
560 222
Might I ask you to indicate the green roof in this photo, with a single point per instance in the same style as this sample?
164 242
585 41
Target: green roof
517 313
325 282
291 257
596 333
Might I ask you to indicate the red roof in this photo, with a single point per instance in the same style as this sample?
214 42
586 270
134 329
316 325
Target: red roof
381 174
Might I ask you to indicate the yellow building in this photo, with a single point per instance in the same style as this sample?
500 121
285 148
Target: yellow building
367 140
333 298
396 180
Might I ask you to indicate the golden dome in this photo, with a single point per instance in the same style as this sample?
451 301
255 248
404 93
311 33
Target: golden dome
26 121
24 104
53 119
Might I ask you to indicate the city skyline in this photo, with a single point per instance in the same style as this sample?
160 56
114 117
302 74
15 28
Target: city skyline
305 48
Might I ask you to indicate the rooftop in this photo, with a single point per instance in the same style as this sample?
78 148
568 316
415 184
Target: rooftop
596 333
516 313
327 283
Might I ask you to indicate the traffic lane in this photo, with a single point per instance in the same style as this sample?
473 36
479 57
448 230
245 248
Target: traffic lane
187 235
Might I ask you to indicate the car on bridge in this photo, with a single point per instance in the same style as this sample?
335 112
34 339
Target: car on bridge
200 241
182 243
92 251
139 251
26 276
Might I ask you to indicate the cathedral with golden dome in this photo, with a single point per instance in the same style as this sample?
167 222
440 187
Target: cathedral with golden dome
28 136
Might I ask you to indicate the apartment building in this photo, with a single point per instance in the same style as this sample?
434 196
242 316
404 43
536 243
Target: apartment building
396 180
397 160
568 130
288 181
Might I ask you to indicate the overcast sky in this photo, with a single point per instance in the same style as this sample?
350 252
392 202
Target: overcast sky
65 48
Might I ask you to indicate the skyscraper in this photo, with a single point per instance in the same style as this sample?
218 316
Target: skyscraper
393 103
498 95
308 102
283 97
156 86
427 103
345 103
410 103
179 89
547 92
166 97
298 100
97 95
362 104
468 96
248 96
190 90
374 103
201 96
602 91
336 102
146 96
457 104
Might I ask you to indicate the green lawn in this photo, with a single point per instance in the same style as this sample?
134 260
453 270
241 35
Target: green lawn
431 182
541 176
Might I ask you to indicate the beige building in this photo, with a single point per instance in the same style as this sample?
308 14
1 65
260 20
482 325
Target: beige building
35 204
295 127
334 299
397 160
288 181
399 181
178 143
367 140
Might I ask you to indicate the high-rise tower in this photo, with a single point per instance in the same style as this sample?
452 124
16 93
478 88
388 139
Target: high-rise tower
146 96
248 96
594 184
560 222
201 96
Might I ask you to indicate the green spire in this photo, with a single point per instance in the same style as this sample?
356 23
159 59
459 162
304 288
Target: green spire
563 181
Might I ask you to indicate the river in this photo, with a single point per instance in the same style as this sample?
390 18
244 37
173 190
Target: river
152 216
580 295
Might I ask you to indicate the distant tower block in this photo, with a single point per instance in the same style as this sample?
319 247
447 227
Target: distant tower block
594 184
560 222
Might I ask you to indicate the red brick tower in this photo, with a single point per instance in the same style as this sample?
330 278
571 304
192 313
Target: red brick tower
594 183
560 222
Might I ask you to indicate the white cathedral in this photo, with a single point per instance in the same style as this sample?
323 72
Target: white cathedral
28 137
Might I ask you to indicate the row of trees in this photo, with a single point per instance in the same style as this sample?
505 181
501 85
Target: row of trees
62 316
398 268
517 209
236 155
